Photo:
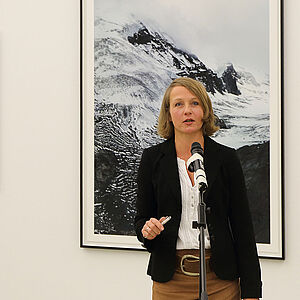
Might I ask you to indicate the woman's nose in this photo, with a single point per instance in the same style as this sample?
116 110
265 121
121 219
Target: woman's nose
187 109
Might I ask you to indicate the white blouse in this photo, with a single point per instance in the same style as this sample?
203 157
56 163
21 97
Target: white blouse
188 236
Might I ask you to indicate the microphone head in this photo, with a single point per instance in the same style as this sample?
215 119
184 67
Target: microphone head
196 148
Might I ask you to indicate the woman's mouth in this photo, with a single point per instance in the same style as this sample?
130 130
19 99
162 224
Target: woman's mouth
188 121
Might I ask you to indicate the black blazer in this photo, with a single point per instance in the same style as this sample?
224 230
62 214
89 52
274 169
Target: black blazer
234 253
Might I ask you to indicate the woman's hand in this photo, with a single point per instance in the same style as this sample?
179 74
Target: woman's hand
152 228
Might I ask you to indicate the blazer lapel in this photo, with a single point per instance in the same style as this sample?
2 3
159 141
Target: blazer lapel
168 162
211 162
170 168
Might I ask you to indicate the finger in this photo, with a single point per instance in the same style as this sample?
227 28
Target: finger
152 227
144 232
157 224
151 235
162 219
147 230
147 234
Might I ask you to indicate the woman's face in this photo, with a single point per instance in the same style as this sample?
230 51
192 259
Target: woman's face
186 111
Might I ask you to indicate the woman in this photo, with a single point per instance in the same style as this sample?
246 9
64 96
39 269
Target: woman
166 188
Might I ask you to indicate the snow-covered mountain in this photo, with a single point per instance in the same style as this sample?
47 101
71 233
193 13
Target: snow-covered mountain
134 64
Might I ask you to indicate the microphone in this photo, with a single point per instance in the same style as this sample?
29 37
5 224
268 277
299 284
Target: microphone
195 164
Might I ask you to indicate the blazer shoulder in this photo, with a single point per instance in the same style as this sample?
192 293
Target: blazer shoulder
220 147
158 148
225 153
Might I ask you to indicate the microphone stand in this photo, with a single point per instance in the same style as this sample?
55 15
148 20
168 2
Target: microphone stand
201 224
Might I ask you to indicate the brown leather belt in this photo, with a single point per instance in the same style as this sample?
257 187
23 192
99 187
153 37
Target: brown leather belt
187 261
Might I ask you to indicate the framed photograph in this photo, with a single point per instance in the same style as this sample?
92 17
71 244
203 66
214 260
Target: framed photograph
130 53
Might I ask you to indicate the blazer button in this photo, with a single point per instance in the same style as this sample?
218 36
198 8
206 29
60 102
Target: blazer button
208 209
212 237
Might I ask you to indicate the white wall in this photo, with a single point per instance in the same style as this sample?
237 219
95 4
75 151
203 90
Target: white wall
40 256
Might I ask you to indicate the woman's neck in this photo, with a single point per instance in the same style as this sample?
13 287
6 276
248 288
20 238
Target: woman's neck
183 144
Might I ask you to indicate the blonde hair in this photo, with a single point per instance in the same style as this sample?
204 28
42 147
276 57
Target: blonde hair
165 127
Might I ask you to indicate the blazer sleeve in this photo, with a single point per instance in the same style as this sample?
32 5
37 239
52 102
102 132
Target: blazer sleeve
242 231
145 203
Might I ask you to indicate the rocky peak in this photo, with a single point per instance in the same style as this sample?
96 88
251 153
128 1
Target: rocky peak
185 64
143 36
229 77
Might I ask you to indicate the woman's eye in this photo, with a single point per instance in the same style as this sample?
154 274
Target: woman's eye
177 104
195 103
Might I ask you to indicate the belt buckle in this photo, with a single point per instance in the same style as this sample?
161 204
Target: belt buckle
193 259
